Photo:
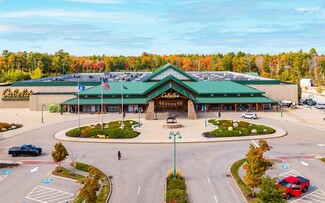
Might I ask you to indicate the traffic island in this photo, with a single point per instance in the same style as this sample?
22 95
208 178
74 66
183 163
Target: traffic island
175 188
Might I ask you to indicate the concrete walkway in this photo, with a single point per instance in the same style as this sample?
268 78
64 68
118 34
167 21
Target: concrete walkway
153 131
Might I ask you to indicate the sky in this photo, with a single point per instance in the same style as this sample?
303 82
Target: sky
131 27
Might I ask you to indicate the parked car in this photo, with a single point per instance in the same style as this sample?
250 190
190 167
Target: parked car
249 115
26 149
294 186
320 105
309 102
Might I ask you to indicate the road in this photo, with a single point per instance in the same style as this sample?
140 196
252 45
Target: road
140 175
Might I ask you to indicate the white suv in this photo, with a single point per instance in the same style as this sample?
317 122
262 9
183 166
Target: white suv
249 115
320 105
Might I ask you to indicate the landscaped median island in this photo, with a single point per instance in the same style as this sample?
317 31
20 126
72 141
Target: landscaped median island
9 126
176 188
234 128
96 186
110 130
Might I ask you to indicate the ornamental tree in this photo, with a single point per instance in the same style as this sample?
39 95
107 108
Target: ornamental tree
89 190
269 192
59 154
256 165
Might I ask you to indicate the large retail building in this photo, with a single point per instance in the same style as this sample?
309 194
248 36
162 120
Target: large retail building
166 89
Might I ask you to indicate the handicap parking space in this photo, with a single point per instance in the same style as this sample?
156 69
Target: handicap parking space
3 177
47 194
314 195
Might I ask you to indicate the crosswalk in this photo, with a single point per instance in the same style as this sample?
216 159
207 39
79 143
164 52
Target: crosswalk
49 195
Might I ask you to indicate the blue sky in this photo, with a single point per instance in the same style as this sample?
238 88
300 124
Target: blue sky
131 27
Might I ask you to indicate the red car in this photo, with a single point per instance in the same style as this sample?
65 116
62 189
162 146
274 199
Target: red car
294 186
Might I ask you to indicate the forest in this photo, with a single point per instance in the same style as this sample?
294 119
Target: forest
287 67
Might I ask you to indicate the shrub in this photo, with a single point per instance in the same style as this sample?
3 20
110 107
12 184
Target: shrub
176 195
176 184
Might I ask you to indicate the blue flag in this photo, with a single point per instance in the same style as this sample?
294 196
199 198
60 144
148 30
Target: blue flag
124 87
81 87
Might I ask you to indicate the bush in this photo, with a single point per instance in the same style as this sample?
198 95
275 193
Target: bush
176 184
176 195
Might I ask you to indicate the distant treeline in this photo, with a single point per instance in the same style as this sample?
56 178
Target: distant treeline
290 67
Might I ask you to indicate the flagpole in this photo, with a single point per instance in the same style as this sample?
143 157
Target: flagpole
102 106
78 109
122 104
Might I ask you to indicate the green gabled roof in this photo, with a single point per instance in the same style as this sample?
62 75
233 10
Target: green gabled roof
134 88
171 86
166 67
221 87
233 100
170 77
110 101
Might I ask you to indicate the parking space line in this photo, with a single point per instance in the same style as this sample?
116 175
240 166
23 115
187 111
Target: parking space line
3 177
313 197
46 195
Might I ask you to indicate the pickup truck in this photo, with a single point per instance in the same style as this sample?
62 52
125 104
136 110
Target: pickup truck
294 186
26 149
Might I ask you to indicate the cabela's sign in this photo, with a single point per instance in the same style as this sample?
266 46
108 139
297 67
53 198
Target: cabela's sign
8 95
169 95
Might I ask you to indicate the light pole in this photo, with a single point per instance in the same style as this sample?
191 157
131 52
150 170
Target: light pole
43 106
310 98
205 115
139 110
174 134
281 109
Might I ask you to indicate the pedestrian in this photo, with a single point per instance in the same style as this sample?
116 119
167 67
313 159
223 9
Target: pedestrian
219 114
119 156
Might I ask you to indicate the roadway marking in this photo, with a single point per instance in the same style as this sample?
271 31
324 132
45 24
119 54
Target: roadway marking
289 173
3 177
139 189
209 180
313 197
34 169
255 143
49 195
304 163
321 145
215 198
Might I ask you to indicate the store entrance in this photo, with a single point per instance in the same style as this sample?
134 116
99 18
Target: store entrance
163 105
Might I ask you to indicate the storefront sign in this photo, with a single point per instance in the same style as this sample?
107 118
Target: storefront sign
8 95
170 95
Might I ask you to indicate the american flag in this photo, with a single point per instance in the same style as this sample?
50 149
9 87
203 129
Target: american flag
105 84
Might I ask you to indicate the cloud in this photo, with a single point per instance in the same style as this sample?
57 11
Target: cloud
115 17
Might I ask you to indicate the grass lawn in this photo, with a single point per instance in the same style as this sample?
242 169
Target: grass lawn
67 174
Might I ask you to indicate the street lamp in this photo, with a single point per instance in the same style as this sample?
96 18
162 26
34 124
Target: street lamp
205 115
139 110
281 106
178 135
43 106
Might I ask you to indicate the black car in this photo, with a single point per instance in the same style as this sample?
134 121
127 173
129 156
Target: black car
26 149
309 102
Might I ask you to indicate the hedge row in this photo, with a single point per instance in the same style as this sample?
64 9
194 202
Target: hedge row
110 130
9 126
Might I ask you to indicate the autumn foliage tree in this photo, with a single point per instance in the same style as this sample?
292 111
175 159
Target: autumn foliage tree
59 154
256 165
91 186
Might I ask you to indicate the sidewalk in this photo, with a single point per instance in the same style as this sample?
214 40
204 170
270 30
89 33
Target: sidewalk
152 131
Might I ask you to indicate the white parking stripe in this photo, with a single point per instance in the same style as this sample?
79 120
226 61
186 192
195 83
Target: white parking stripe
46 195
313 197
3 177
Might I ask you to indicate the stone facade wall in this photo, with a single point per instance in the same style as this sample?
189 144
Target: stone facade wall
150 111
191 110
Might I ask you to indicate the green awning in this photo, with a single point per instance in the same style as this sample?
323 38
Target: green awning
110 101
232 100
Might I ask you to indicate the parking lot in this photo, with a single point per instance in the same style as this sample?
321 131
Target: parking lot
47 195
